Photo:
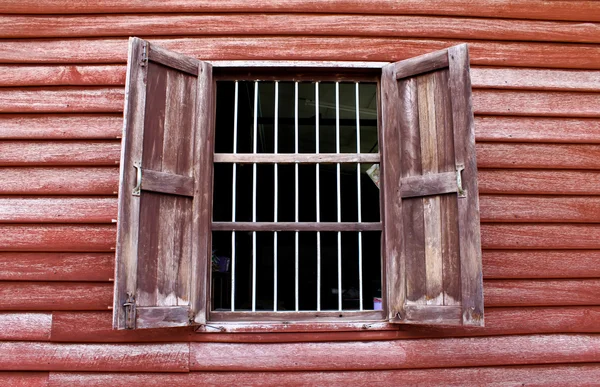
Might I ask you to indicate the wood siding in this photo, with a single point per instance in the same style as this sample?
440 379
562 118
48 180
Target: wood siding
536 96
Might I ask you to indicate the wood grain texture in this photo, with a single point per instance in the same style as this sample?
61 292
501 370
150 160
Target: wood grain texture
555 10
540 236
69 75
425 185
53 296
24 379
114 50
425 353
23 356
541 264
25 326
168 183
547 182
542 292
37 26
534 79
16 266
60 126
45 153
59 181
584 375
537 129
555 209
61 100
88 238
61 209
545 156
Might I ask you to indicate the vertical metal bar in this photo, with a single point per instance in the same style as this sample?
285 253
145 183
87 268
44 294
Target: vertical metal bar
254 146
275 194
233 195
296 244
339 190
318 196
358 196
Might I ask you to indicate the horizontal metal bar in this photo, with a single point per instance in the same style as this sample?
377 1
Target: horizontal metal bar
299 158
296 226
426 185
297 64
329 316
168 183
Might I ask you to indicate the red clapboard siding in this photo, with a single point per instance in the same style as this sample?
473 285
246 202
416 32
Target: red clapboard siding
399 354
541 292
557 182
553 10
34 326
58 209
521 54
66 326
548 156
99 75
535 79
577 375
59 181
24 379
541 264
87 238
558 209
538 129
59 153
55 296
60 126
540 236
24 356
17 266
61 100
29 26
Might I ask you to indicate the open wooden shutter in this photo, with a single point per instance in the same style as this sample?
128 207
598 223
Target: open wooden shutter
165 189
431 224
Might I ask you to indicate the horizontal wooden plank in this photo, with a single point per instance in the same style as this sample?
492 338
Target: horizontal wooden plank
296 226
537 129
547 156
551 182
541 264
25 326
24 379
55 296
425 185
69 75
16 266
114 50
424 353
61 100
576 375
540 236
60 126
66 326
422 64
59 181
38 26
542 292
166 182
24 356
62 209
13 153
554 10
161 317
56 237
559 209
534 79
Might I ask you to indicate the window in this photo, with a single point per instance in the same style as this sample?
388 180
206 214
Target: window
219 169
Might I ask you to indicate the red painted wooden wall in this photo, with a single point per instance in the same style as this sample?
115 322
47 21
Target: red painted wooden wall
535 67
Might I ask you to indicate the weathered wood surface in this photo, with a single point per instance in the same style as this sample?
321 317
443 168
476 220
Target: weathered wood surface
55 296
555 10
114 50
424 353
546 292
57 237
63 209
37 26
545 156
540 236
61 100
60 126
46 153
59 181
25 326
24 379
24 356
577 375
537 129
552 182
534 79
19 266
70 75
541 264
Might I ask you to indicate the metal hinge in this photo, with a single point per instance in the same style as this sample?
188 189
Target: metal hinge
129 306
461 191
138 184
144 58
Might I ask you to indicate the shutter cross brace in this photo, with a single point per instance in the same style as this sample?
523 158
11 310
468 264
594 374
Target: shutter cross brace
461 191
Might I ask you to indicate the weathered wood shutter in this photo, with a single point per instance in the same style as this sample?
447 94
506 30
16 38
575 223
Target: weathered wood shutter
165 190
431 223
